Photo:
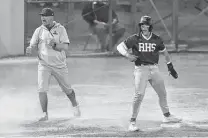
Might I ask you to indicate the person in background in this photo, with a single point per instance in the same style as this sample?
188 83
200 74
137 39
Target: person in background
96 14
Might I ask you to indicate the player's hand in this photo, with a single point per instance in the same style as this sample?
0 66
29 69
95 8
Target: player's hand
172 71
131 57
115 21
52 42
29 51
101 25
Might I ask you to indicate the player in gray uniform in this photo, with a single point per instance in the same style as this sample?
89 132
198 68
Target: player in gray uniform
51 41
145 47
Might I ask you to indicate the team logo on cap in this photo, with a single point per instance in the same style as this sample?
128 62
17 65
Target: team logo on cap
55 33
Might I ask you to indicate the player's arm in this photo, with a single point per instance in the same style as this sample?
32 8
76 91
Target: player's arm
98 22
167 56
64 42
115 17
162 49
35 39
123 49
33 42
168 61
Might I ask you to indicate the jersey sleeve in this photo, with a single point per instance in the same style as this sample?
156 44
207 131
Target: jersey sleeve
130 42
64 36
35 38
161 46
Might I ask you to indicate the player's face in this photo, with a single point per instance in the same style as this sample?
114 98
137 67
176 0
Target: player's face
145 29
47 20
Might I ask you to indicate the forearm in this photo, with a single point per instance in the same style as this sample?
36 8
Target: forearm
167 57
34 46
123 50
170 65
98 22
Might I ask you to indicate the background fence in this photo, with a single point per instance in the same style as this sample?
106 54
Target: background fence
191 30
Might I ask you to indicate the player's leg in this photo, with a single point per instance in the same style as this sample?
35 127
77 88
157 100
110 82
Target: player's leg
102 35
118 32
141 76
94 33
43 86
158 84
61 76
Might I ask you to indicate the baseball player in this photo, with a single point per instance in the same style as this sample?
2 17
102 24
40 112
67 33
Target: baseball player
51 41
143 49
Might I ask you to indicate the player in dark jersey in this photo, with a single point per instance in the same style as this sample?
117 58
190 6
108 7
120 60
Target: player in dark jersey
145 47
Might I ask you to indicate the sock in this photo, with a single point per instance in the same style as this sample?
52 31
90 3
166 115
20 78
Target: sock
72 98
133 120
43 101
167 114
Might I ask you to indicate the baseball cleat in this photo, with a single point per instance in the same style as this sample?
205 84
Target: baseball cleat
77 112
44 117
133 127
172 119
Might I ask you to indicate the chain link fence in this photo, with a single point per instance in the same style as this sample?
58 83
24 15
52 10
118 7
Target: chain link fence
192 20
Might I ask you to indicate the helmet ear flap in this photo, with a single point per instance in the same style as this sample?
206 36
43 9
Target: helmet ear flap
150 28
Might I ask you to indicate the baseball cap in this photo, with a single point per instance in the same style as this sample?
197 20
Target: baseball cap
99 2
47 12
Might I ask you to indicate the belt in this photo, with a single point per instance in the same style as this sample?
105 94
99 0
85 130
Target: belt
146 64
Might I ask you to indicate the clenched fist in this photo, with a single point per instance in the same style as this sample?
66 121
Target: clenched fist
29 50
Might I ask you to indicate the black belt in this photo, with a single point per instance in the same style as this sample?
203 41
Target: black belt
146 64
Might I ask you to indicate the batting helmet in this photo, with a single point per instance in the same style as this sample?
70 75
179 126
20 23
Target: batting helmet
147 20
98 3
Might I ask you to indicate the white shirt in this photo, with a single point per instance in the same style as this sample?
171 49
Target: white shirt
41 38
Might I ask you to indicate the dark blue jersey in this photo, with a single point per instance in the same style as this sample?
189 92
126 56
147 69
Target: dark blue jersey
147 49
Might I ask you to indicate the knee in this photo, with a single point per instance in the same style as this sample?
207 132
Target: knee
69 91
42 90
138 97
163 96
138 94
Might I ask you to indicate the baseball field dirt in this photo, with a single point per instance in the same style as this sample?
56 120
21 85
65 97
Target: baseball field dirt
104 88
